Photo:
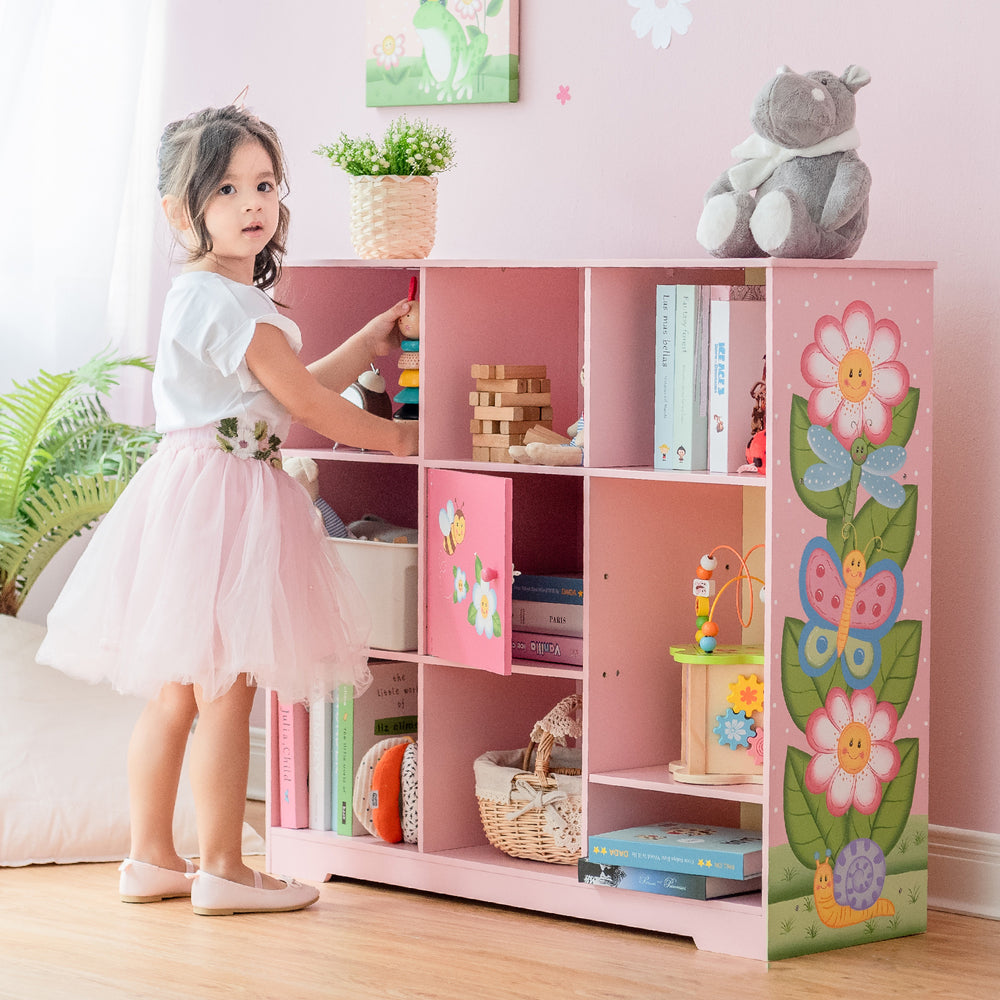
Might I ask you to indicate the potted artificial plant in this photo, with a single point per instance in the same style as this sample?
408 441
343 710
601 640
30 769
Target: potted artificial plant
393 186
63 463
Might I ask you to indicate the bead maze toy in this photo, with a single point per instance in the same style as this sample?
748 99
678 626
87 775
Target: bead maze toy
722 696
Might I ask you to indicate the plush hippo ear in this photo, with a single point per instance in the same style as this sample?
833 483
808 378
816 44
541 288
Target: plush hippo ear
855 77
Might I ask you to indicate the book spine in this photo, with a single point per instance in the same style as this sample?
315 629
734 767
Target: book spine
699 416
557 589
663 883
320 759
722 864
547 616
293 765
345 760
663 422
684 368
718 391
547 648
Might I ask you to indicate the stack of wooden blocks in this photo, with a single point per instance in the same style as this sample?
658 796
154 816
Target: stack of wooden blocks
508 401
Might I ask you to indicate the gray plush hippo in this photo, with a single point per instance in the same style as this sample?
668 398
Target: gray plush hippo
800 188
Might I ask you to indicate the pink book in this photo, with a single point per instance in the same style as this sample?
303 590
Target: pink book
566 649
293 765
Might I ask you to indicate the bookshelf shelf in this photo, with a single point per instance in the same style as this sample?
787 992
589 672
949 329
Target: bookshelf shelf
636 533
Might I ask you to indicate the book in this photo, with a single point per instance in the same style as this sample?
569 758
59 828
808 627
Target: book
664 883
321 775
562 589
690 431
547 616
387 708
547 648
663 421
679 847
293 765
736 349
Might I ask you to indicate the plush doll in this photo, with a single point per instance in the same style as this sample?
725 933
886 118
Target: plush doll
306 473
543 446
800 188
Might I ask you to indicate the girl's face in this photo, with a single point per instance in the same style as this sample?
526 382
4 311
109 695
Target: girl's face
242 215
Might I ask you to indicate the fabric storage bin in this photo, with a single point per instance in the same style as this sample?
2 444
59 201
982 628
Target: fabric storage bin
386 573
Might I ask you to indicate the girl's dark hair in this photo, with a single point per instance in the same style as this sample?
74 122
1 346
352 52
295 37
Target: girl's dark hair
193 157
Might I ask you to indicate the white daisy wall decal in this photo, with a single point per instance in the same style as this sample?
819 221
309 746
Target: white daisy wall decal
662 18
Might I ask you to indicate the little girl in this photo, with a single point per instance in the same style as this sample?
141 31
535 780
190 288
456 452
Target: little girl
209 576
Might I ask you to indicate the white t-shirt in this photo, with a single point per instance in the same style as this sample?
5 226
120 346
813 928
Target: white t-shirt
201 372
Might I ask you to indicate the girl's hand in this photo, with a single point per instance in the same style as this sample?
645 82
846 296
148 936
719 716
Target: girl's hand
407 443
382 333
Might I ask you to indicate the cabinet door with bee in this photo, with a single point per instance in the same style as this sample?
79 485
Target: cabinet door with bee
468 569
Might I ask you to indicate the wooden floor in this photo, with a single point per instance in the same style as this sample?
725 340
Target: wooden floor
64 934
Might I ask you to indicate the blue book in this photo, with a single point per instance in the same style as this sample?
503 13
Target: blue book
684 848
663 418
664 883
566 589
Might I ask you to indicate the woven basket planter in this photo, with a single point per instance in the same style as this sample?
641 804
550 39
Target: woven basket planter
393 217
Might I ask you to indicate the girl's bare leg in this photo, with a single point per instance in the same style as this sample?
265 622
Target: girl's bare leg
155 758
220 763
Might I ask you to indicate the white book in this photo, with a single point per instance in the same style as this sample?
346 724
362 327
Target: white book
663 419
321 774
547 616
737 362
690 450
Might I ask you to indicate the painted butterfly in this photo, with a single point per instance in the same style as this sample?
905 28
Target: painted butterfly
861 604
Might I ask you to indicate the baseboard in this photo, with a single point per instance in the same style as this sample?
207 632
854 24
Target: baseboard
964 871
256 780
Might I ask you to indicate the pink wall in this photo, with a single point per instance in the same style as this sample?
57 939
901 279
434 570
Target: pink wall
619 171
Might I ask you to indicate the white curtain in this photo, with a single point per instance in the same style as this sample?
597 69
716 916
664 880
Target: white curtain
80 87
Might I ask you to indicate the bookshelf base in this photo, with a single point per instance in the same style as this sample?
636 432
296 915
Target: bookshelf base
485 875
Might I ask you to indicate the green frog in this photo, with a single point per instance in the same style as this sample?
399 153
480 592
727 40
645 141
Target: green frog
452 54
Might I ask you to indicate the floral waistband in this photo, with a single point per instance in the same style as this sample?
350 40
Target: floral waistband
246 440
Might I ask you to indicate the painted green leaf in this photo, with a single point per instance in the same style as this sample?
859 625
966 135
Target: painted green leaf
810 827
904 417
803 694
895 530
479 569
900 661
829 504
496 625
494 8
885 826
472 613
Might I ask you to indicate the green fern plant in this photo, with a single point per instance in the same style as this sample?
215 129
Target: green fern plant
63 463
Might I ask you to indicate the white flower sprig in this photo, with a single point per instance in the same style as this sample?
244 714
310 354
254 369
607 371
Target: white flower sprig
407 148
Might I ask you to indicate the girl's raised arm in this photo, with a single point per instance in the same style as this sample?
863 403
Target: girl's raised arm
338 369
317 405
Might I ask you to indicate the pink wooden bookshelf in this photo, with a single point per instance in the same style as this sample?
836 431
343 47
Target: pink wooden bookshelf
637 535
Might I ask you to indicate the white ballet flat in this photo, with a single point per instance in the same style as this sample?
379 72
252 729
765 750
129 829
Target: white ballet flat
141 882
212 896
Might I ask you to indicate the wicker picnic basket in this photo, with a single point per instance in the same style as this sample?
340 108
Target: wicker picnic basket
535 812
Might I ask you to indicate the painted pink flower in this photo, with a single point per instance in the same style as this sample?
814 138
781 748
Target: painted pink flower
854 752
855 376
468 9
388 51
563 95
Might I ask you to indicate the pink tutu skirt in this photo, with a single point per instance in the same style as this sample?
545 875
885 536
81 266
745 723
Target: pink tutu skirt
210 566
